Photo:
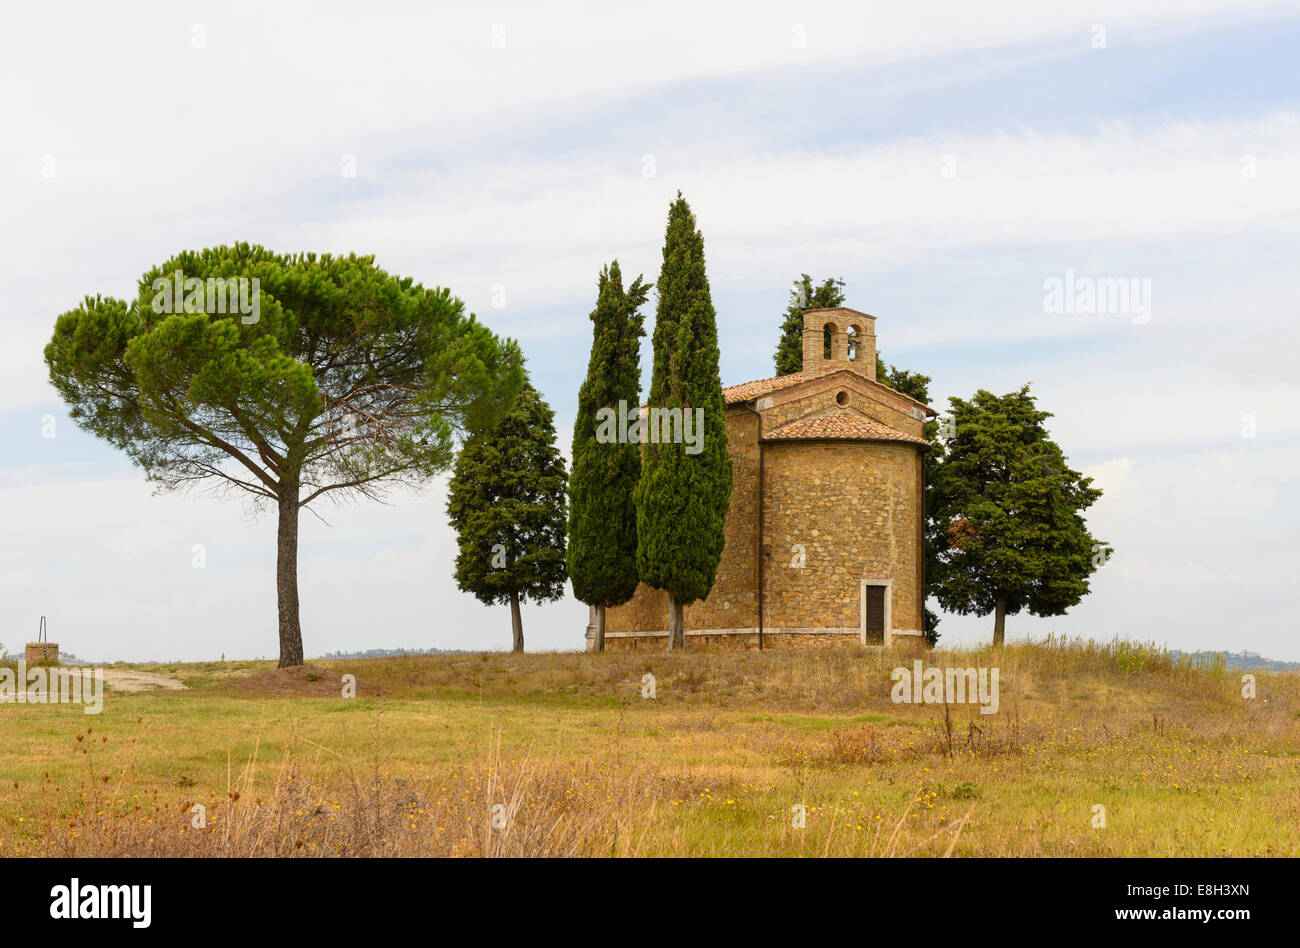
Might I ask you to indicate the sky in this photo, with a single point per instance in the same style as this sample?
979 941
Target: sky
948 161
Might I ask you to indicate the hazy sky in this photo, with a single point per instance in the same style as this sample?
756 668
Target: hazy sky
945 159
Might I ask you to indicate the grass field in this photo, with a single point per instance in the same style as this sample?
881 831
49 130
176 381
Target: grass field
565 755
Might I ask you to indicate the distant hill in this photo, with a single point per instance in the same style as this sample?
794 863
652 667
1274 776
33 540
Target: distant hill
386 652
65 658
68 659
1244 661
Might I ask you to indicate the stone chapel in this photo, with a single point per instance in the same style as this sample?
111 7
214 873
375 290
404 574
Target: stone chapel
823 535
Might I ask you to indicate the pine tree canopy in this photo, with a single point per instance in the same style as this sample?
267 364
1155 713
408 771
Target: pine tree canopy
291 377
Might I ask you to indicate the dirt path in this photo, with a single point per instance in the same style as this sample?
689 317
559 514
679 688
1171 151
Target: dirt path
129 680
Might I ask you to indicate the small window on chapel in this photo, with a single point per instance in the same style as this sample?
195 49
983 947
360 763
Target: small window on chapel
842 399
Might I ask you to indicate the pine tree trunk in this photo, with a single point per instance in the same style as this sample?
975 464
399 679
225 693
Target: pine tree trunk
676 629
599 644
999 621
516 623
286 577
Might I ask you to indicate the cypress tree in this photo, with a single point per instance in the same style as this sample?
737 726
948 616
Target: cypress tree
685 485
602 514
506 501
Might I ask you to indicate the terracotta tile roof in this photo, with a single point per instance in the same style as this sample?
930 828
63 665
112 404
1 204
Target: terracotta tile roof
747 390
837 425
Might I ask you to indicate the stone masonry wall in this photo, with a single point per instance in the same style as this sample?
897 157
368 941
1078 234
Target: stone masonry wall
853 506
737 641
854 509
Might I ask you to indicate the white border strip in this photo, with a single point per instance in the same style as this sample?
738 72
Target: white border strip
661 633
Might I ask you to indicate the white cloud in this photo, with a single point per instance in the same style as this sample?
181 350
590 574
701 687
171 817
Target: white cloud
887 204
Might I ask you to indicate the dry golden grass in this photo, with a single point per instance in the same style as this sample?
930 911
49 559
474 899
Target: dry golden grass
562 752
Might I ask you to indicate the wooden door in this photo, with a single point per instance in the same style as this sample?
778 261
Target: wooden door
875 609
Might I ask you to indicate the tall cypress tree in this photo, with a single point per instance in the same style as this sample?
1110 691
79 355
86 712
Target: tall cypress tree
506 501
685 487
789 348
602 514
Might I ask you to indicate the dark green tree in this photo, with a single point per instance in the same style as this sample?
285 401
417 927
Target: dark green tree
685 486
506 501
292 378
912 384
1011 510
804 295
602 513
